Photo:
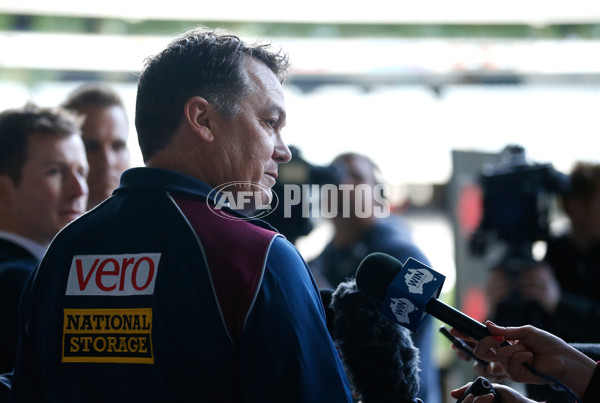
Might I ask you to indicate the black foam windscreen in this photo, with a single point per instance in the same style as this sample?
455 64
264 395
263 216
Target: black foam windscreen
378 354
375 273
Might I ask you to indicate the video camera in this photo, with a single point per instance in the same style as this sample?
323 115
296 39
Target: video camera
517 197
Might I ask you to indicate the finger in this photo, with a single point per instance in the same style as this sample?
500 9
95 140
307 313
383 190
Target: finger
469 399
461 354
458 334
505 356
517 369
487 398
509 395
494 329
510 333
485 348
456 393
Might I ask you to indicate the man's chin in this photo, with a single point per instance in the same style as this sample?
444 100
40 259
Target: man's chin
262 201
267 197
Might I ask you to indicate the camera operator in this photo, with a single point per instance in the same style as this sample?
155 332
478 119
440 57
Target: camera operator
575 258
558 293
517 196
563 285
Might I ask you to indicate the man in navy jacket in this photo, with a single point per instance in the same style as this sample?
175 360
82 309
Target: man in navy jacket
164 292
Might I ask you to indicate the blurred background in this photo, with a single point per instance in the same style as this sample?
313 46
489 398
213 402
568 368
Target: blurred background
430 90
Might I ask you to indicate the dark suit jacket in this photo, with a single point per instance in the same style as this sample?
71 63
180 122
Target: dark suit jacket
16 264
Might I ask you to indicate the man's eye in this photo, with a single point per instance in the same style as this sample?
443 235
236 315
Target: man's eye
272 122
52 171
91 147
119 146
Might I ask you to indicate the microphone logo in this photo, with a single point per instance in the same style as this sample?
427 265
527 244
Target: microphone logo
401 308
416 278
409 292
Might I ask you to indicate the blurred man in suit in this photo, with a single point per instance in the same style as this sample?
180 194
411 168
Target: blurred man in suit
43 187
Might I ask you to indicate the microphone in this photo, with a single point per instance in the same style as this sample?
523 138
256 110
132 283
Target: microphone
406 293
401 298
379 356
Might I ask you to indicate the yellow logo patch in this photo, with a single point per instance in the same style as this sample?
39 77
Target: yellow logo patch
108 335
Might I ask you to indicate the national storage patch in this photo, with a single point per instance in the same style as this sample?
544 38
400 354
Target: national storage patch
108 335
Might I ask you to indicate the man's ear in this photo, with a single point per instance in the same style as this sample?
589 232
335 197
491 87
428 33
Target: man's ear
197 118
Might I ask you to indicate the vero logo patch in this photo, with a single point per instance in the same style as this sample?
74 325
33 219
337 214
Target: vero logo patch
125 274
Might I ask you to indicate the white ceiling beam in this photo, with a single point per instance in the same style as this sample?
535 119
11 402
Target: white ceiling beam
533 12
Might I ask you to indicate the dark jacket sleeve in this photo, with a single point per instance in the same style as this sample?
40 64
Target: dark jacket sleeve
575 317
12 282
288 354
592 394
27 363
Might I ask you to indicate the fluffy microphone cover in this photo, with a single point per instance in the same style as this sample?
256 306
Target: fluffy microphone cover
378 354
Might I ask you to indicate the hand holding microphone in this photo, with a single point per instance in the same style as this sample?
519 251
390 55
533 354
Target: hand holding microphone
407 293
480 387
496 393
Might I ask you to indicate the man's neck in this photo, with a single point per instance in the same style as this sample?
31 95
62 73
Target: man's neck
350 230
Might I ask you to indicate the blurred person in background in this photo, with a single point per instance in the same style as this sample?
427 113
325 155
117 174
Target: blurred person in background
359 231
575 260
560 293
565 284
43 187
104 131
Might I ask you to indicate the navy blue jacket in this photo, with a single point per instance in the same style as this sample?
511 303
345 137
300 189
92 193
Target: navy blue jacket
16 265
154 297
